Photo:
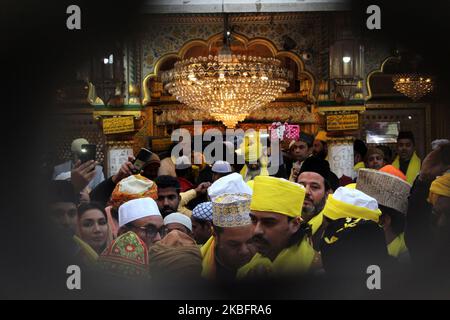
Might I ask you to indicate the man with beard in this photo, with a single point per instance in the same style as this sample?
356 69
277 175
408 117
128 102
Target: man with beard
279 235
407 160
315 177
320 147
253 163
251 149
229 248
170 199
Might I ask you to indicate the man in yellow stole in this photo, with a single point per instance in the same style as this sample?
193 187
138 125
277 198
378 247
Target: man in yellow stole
407 160
229 247
279 235
255 161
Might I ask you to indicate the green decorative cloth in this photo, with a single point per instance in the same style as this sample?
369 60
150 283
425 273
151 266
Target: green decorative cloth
126 257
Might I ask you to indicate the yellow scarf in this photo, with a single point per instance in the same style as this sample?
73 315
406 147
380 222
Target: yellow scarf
335 209
263 172
316 222
439 187
358 166
89 253
397 246
208 259
413 167
295 259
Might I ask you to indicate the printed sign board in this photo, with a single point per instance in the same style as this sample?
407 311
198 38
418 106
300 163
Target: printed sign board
340 122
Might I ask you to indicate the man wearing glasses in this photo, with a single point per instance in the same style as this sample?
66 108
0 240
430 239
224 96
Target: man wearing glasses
142 217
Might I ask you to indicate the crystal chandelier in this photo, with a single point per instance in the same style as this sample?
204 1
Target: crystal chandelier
413 85
226 85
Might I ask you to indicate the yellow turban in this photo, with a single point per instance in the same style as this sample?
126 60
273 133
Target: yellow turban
322 136
351 186
336 209
439 187
277 195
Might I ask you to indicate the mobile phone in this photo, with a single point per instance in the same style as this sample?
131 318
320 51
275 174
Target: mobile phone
88 152
141 159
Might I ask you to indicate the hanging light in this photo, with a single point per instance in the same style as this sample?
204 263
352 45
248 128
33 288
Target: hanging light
413 85
228 86
346 66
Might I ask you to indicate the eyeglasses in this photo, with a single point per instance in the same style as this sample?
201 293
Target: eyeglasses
151 231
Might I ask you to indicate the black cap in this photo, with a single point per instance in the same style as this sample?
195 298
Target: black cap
322 167
317 165
307 138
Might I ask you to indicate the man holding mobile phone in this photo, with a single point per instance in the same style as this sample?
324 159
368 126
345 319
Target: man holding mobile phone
62 171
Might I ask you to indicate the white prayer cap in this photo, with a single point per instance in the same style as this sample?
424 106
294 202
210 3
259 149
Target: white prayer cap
135 184
136 209
356 198
232 183
77 143
182 162
180 218
221 167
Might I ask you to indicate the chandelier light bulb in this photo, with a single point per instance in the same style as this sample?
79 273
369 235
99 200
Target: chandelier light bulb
229 89
412 85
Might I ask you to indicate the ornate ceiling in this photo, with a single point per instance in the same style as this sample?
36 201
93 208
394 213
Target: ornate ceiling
254 6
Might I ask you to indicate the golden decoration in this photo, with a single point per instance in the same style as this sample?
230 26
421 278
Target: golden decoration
413 85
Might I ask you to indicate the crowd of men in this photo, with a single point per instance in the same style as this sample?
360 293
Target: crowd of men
226 223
